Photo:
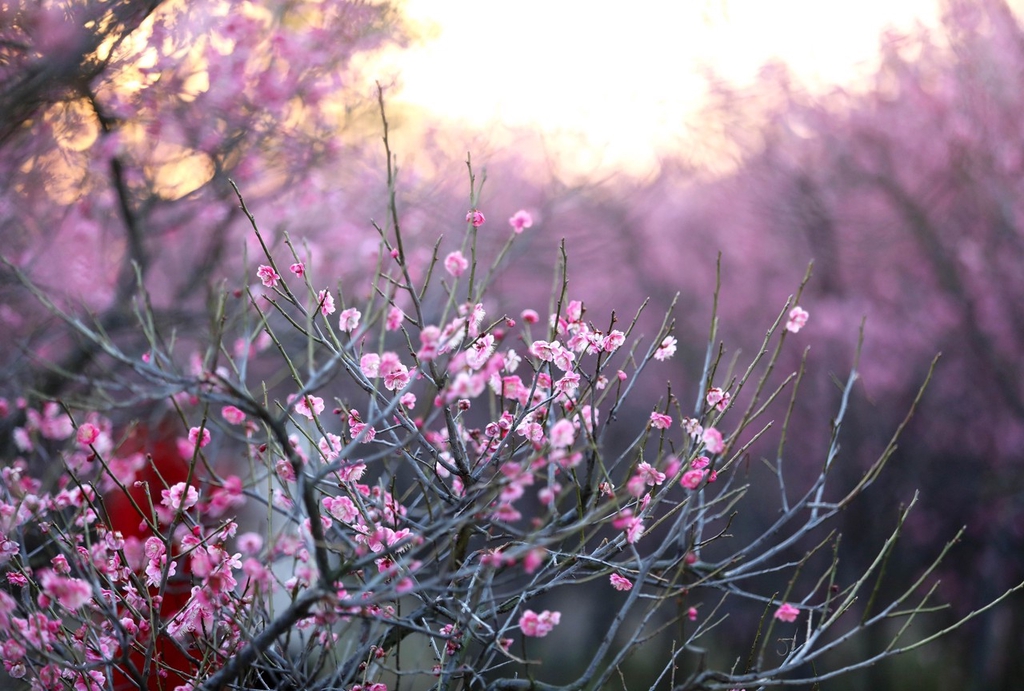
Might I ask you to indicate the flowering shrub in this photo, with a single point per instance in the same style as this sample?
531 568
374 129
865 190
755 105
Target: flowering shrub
420 473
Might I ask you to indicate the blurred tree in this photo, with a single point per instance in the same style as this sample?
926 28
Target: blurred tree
121 122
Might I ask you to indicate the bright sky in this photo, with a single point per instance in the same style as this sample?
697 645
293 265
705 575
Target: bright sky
625 74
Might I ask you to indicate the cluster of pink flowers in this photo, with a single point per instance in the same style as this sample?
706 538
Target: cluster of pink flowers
538 625
546 402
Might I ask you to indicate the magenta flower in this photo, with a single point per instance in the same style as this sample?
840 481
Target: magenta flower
476 218
620 582
538 625
455 264
268 276
797 319
666 350
692 478
349 320
87 433
179 496
713 440
232 415
195 439
72 593
520 220
660 421
309 406
787 613
326 302
717 398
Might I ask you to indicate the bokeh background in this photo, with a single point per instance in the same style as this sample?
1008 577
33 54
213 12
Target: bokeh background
881 140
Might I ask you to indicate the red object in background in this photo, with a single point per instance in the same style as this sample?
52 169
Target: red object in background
164 467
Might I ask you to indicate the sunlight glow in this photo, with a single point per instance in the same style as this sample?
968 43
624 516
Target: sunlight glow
625 76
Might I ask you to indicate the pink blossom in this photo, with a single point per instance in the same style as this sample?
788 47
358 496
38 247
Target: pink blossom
268 276
532 431
544 350
666 350
475 217
232 415
396 378
326 302
394 319
613 341
634 531
298 268
692 478
250 543
787 613
538 625
530 316
455 264
194 438
71 593
691 614
520 220
88 433
650 474
692 427
620 582
309 406
660 420
285 470
348 320
562 434
370 365
533 559
713 440
797 319
717 398
568 384
180 496
480 350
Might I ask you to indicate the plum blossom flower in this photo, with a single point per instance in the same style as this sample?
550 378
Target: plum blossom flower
456 264
660 420
180 496
520 220
480 351
309 406
348 320
713 440
394 319
650 474
797 319
232 415
196 440
613 341
538 625
692 478
369 364
326 302
787 613
298 268
396 377
475 217
717 398
530 316
620 582
72 593
268 276
88 433
666 350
